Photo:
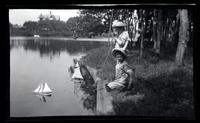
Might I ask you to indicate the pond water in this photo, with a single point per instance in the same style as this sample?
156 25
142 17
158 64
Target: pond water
35 61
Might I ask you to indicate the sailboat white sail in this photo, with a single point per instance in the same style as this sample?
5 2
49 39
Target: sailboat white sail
77 65
46 89
37 89
43 89
77 74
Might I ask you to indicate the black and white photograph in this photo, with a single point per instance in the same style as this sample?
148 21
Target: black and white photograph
103 60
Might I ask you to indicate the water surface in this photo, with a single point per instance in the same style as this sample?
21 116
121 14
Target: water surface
35 61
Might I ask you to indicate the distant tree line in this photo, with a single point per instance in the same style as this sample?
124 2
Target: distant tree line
42 28
82 26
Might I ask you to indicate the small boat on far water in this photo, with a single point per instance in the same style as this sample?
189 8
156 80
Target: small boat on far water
43 89
36 36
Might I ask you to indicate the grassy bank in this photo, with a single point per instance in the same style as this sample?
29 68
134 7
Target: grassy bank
167 89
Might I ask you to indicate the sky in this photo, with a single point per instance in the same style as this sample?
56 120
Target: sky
19 16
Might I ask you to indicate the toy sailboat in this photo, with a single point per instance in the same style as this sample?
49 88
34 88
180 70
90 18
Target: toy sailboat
77 72
43 89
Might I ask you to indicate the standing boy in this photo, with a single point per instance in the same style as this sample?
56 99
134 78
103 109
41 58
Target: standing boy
121 37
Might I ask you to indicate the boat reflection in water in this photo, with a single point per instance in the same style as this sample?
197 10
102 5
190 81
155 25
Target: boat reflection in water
87 95
84 86
41 97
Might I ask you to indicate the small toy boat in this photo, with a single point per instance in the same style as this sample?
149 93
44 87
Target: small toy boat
77 73
43 89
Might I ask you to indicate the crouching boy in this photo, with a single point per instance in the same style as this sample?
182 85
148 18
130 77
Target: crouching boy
123 72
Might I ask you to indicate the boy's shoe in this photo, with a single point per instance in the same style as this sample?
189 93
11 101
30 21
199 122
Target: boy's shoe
108 89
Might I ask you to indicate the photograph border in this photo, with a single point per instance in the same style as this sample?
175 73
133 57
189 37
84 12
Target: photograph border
6 60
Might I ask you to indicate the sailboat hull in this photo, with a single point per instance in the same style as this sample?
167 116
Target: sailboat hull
46 94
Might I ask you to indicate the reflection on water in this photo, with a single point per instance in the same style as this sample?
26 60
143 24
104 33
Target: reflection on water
52 48
41 97
85 89
87 94
34 60
89 101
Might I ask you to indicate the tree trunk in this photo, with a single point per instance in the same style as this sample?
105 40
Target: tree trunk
142 33
142 40
183 28
164 31
159 32
154 30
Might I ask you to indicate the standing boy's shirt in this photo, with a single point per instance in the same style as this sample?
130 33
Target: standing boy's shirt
122 39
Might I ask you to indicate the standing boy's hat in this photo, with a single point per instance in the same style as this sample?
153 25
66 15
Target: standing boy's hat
117 23
135 14
121 50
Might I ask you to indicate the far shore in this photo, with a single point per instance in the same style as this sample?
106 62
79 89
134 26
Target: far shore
60 38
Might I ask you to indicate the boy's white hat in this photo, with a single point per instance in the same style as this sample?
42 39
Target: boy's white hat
135 14
117 23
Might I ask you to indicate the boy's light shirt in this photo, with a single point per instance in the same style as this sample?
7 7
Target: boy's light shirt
121 74
122 39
